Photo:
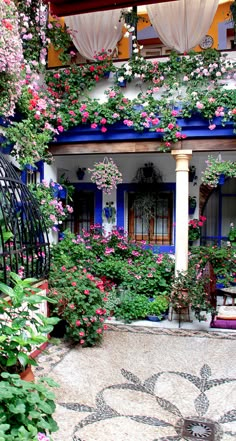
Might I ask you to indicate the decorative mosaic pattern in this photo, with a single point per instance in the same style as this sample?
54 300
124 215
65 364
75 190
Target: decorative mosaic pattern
196 427
175 332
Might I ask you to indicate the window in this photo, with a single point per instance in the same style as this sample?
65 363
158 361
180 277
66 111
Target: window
83 214
220 211
150 217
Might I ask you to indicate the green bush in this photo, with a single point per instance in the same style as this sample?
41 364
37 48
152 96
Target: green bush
26 408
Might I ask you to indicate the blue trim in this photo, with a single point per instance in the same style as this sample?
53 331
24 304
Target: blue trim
146 33
97 199
195 127
120 198
222 34
39 167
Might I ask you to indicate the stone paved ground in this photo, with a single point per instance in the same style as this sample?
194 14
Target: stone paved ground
145 384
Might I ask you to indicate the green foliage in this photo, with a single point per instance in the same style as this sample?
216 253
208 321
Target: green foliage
22 327
223 260
158 306
132 307
26 408
119 263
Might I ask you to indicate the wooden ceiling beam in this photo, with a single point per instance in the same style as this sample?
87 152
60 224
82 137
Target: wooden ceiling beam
63 8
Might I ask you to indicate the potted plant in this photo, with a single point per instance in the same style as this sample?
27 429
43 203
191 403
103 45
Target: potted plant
194 229
192 173
192 203
26 409
189 291
216 169
157 308
23 329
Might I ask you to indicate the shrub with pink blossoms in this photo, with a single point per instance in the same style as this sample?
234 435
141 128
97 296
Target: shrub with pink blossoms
81 301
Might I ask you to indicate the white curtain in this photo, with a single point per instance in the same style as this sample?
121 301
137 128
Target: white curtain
182 24
95 31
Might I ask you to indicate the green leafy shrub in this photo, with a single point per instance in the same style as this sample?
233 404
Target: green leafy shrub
21 332
26 408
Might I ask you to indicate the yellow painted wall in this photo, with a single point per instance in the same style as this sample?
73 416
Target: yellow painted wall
222 14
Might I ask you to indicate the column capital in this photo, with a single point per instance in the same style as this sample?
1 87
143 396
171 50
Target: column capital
182 154
182 158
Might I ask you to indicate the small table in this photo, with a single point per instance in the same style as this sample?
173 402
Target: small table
228 292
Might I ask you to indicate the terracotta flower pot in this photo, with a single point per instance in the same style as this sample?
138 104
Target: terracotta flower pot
27 374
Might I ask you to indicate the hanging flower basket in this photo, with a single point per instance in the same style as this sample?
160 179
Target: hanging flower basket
106 175
215 170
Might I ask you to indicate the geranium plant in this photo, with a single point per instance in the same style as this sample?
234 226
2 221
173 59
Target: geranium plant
215 168
80 302
106 175
194 228
53 209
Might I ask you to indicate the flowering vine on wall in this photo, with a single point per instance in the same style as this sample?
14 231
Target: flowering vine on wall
51 102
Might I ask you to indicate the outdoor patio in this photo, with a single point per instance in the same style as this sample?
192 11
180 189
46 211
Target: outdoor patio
152 383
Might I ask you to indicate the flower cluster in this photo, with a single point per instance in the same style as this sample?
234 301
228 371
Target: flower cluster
11 58
80 301
52 208
216 167
194 228
106 175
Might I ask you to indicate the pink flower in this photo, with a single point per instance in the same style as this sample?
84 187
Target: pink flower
72 306
103 129
78 322
63 268
73 283
60 128
212 126
170 126
94 126
103 120
99 331
81 333
82 342
86 291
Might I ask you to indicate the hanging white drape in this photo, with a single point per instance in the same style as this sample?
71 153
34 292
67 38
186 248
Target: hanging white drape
95 31
181 25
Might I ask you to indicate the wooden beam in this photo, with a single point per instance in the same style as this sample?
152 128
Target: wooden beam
62 8
210 144
197 145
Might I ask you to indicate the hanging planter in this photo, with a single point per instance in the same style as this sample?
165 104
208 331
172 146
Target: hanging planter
221 179
106 175
192 203
216 168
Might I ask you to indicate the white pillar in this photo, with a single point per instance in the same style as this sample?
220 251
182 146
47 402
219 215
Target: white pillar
182 158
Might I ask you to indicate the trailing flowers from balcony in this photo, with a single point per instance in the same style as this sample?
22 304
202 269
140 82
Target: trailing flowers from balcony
215 167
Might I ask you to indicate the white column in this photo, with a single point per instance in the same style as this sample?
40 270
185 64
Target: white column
182 158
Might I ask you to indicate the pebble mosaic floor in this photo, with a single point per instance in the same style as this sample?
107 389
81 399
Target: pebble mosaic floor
145 384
